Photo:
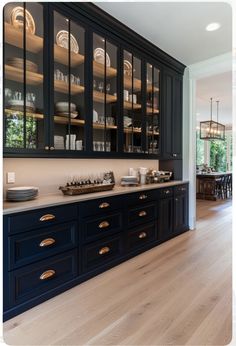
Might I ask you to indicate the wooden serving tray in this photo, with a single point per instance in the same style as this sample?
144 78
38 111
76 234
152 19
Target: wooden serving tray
79 190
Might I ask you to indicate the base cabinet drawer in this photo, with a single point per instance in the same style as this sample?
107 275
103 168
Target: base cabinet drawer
95 228
139 237
99 206
28 247
140 198
36 279
142 214
40 218
100 253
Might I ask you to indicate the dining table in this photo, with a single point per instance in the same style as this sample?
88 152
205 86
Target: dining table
206 184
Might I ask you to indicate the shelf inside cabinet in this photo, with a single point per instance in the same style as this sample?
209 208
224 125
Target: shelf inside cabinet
8 112
61 55
100 97
151 111
136 83
102 127
65 120
63 87
99 70
150 89
128 105
14 37
17 75
138 130
39 116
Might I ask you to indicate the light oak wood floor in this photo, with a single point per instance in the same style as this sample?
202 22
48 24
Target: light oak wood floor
178 293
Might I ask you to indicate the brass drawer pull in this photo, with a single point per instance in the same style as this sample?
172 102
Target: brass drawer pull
104 205
104 250
47 242
47 217
142 213
143 196
104 224
47 274
142 235
46 148
52 148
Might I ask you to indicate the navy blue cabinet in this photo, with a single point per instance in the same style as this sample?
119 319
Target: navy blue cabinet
173 211
74 242
172 115
57 75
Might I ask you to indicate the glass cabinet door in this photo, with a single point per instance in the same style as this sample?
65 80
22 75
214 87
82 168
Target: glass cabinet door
104 95
152 109
132 108
69 107
23 76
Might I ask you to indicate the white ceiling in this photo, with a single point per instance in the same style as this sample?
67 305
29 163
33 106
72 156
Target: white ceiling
178 28
219 87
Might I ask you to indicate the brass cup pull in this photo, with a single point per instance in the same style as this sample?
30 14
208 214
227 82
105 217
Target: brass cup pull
47 217
47 274
142 235
143 197
104 250
52 148
104 205
47 242
142 213
104 224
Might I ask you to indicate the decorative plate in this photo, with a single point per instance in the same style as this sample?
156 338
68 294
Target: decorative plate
17 19
62 41
99 55
127 68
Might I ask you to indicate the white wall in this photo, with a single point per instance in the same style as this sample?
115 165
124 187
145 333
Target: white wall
49 174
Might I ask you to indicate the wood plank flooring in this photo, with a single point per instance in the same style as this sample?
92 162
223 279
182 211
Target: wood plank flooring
178 293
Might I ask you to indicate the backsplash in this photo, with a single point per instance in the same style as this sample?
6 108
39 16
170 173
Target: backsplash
49 174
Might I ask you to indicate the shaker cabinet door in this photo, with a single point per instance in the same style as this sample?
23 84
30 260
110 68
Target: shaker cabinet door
172 116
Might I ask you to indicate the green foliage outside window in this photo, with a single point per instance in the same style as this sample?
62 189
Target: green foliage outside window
218 153
218 150
15 131
200 149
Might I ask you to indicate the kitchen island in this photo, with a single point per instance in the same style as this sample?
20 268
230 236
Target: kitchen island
206 184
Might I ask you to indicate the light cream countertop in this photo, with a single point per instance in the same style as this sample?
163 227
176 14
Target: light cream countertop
59 199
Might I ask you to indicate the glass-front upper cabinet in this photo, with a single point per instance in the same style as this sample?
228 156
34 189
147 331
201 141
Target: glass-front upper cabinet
132 107
152 109
23 76
69 85
105 115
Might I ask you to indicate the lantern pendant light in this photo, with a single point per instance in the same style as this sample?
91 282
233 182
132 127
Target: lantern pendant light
212 130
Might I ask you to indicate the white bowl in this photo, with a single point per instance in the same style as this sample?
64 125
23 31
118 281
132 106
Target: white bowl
64 106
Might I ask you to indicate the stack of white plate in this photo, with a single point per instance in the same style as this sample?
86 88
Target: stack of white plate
22 193
129 180
59 142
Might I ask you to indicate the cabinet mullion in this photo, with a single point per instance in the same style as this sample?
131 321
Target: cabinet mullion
48 82
88 79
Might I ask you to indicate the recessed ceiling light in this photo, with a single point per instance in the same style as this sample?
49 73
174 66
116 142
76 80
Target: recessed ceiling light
213 26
